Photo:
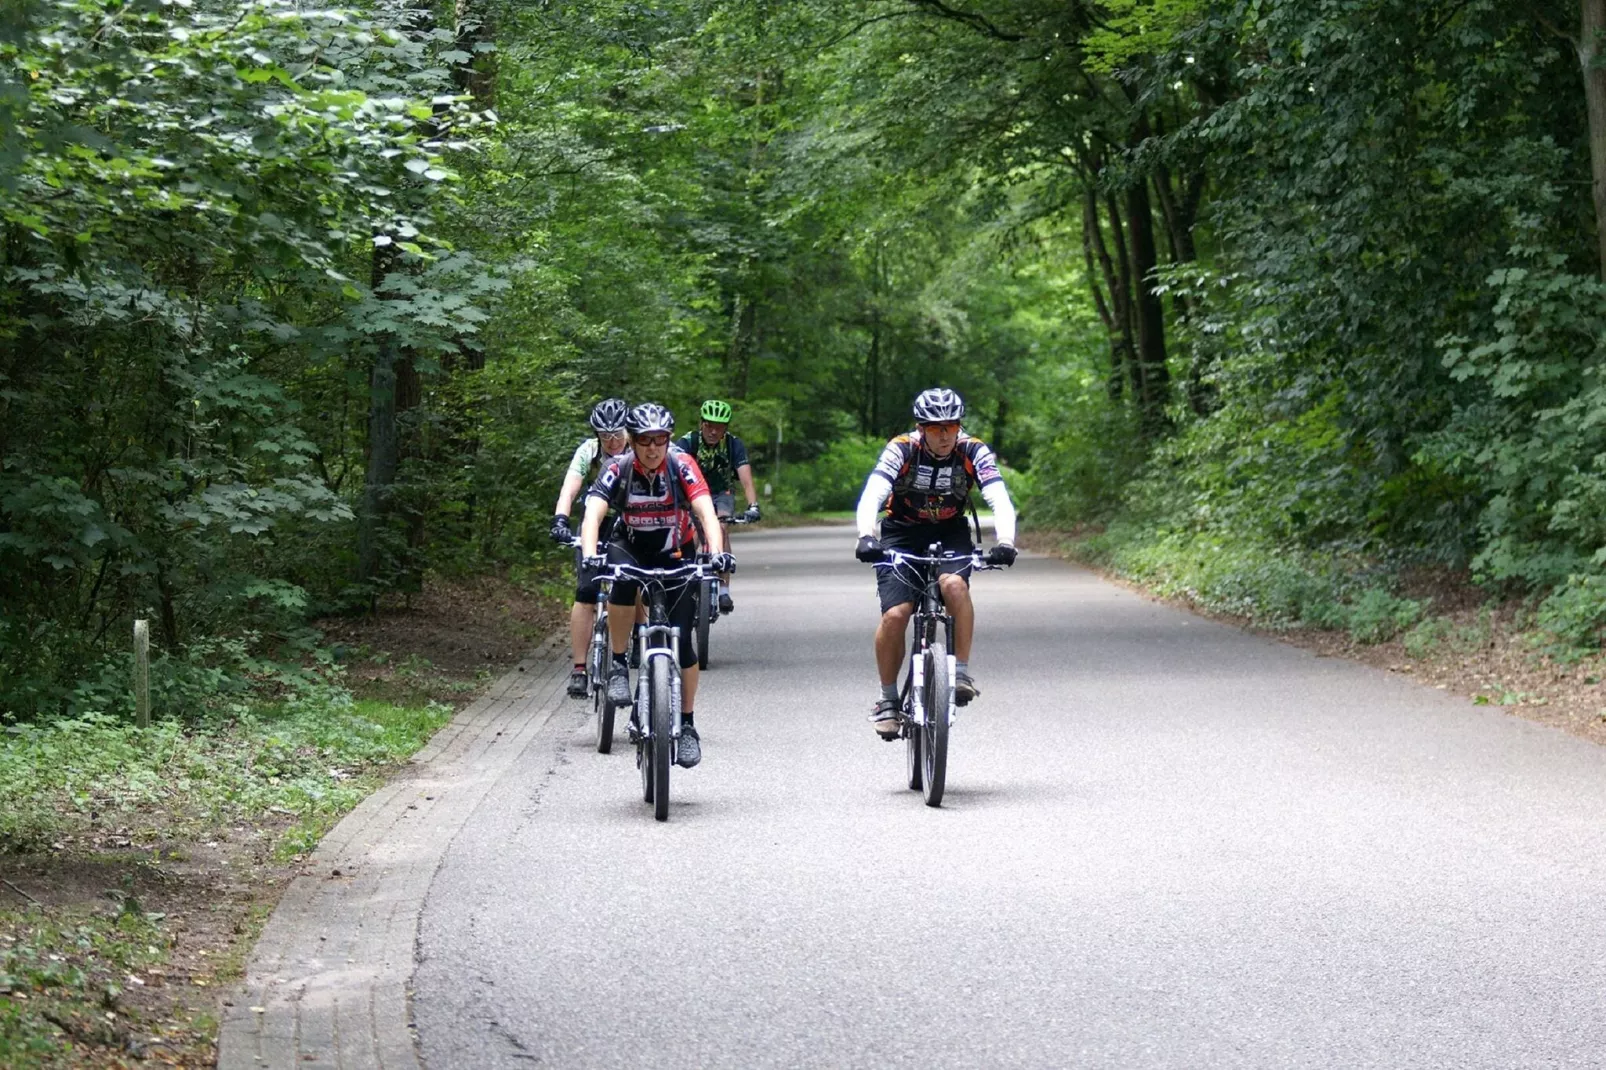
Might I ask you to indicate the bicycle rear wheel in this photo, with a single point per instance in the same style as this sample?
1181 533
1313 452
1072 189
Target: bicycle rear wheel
597 668
662 720
911 734
939 707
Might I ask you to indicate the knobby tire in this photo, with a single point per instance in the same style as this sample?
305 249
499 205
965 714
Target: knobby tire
939 707
911 712
662 719
598 659
705 615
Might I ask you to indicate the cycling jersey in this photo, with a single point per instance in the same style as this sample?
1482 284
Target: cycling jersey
929 490
718 463
653 512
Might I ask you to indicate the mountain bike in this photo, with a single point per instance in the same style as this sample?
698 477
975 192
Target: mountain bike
596 662
655 722
707 595
926 701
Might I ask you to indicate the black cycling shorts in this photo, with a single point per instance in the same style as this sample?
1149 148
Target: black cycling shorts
899 585
681 604
586 588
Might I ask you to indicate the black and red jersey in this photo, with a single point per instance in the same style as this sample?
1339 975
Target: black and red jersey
928 490
654 508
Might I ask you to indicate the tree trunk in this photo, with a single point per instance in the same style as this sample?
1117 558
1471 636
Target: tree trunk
1156 379
1592 24
477 75
1091 234
393 388
1000 422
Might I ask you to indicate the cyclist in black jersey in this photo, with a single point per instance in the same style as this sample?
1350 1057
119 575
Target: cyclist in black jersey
656 494
722 457
924 480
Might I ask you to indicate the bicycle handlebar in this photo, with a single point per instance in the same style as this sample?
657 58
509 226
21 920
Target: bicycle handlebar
696 570
978 560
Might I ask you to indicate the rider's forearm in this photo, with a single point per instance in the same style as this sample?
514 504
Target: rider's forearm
997 496
571 487
591 527
745 474
876 490
713 532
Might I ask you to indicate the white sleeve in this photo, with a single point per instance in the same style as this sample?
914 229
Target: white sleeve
997 496
876 490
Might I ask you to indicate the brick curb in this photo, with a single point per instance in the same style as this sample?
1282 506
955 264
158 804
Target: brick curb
327 983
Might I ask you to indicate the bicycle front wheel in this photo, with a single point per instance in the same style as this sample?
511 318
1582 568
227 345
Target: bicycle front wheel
939 707
662 719
597 668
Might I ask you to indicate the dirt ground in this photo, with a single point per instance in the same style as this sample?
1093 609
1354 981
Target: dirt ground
212 894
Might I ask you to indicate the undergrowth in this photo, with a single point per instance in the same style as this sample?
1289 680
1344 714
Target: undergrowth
311 759
1274 586
62 982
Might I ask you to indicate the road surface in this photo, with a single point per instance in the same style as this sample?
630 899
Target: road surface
1165 843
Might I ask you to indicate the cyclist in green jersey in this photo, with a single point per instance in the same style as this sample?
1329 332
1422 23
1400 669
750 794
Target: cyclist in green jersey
722 457
608 421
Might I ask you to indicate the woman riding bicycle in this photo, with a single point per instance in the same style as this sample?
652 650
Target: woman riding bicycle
927 475
608 421
655 492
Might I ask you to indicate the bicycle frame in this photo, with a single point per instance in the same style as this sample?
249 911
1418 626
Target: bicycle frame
929 614
658 638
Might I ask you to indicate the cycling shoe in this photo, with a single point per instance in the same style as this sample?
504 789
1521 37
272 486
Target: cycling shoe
690 749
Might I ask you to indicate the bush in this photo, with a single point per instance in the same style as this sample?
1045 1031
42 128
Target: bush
1378 616
1572 616
833 480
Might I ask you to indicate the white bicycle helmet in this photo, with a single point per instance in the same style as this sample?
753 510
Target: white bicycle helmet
648 418
608 416
939 405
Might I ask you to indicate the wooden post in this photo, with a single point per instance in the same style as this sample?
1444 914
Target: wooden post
142 673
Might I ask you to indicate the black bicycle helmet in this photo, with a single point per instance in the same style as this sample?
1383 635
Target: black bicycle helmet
610 415
939 405
649 418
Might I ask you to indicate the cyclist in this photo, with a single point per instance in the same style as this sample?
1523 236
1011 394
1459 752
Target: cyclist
722 455
608 421
655 491
927 474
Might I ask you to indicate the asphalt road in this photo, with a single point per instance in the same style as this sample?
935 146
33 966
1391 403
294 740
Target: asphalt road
1165 843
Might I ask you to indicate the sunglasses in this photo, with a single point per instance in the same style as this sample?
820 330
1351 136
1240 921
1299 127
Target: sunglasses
941 429
652 440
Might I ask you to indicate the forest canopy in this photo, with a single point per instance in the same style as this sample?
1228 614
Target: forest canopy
304 303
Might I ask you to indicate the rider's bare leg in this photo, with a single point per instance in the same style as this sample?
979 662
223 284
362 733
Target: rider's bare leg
889 641
582 618
956 596
619 628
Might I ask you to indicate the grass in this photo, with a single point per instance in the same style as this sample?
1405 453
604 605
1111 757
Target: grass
64 978
1271 586
84 978
312 760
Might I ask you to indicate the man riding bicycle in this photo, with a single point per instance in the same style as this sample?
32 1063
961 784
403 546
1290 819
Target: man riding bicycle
721 456
655 492
927 475
608 421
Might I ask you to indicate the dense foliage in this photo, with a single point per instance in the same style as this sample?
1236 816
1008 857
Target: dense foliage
301 303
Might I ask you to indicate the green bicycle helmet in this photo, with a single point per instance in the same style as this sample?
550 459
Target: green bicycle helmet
716 411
